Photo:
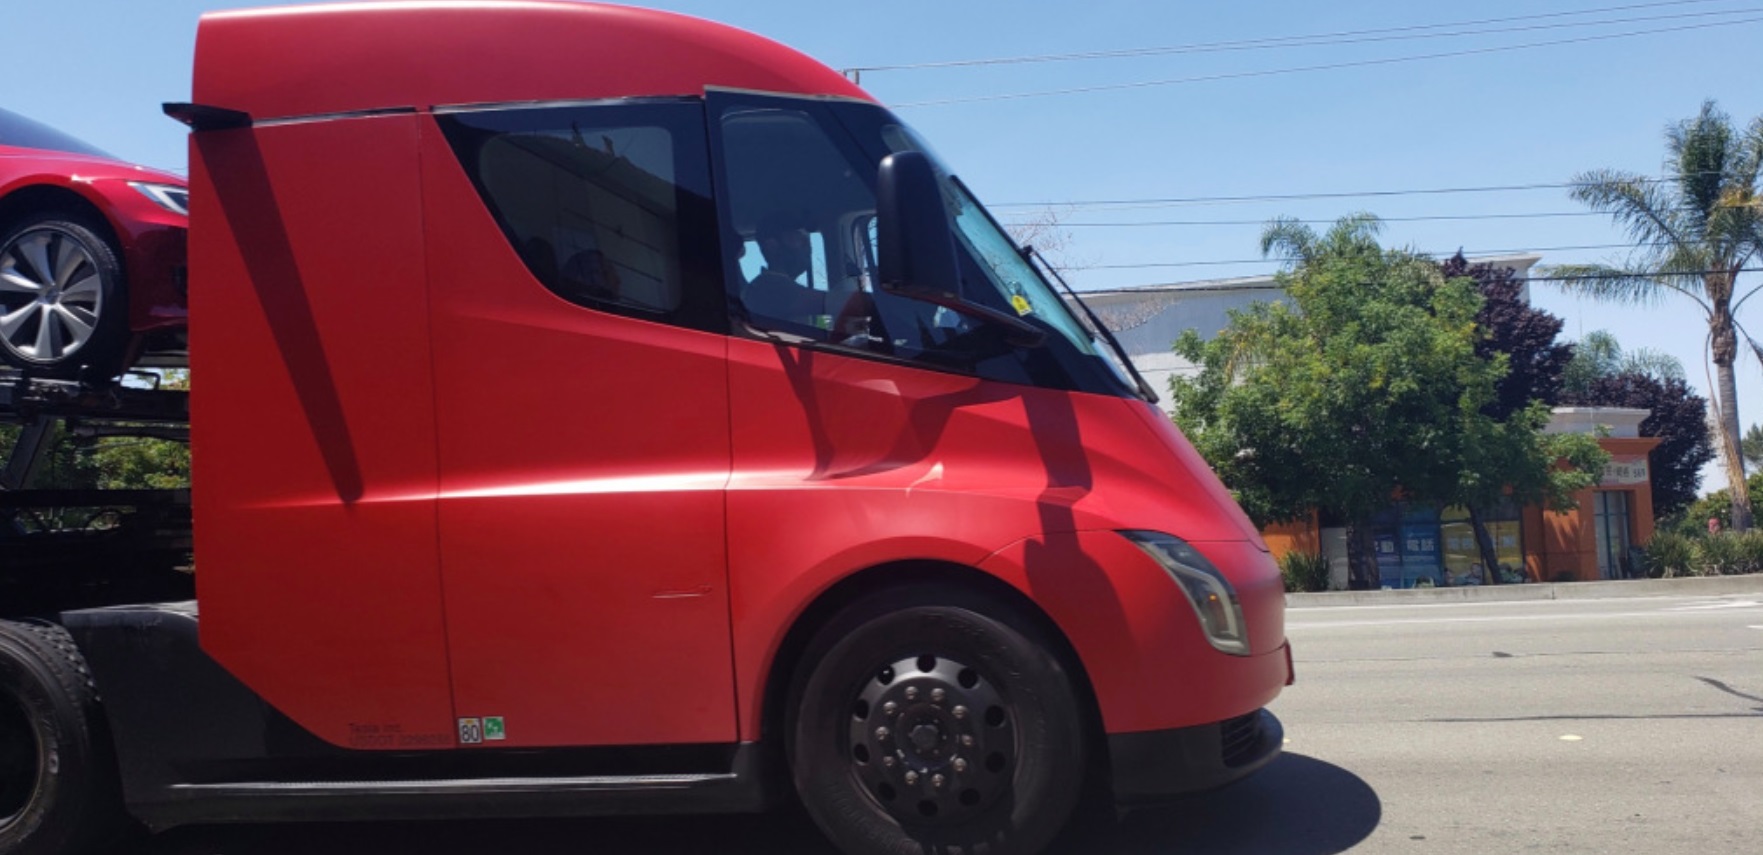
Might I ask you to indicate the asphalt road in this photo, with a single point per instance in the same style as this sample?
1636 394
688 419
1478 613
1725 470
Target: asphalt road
1592 726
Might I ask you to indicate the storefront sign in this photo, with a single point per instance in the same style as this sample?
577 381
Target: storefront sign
1625 470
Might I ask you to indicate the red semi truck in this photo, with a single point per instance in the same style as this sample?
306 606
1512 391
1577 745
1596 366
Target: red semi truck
599 410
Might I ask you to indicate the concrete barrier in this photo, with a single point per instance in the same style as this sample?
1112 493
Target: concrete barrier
1704 586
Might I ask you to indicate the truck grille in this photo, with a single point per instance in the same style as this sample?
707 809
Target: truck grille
1241 737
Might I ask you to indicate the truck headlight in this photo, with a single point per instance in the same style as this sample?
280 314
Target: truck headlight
1214 600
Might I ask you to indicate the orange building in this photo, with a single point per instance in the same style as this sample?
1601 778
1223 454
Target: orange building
1426 546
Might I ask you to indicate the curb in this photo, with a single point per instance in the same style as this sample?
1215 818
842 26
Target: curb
1705 586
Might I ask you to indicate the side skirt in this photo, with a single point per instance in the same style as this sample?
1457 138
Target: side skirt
195 745
738 791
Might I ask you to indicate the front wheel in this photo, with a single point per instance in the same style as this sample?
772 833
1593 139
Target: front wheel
63 302
922 726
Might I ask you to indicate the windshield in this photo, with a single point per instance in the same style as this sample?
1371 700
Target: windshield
16 130
798 184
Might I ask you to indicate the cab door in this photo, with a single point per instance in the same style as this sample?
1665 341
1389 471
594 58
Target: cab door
582 412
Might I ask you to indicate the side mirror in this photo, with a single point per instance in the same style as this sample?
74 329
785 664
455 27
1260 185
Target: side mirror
915 251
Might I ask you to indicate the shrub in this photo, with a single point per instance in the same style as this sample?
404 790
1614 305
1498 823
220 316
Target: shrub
1728 554
1714 554
1670 555
1304 571
1750 549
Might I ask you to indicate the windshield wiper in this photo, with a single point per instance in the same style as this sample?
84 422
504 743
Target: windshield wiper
1145 390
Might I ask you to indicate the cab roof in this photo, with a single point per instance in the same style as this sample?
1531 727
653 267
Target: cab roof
300 61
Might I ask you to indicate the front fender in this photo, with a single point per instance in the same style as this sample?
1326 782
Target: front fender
1137 636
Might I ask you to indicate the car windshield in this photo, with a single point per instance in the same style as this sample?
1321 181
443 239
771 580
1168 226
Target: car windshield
18 131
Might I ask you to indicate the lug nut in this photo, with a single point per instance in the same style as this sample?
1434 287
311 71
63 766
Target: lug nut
937 695
890 708
882 733
911 778
938 781
912 693
889 761
967 739
961 712
960 764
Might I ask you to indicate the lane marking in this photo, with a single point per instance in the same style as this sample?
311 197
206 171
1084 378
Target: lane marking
1709 607
1345 624
1484 604
1571 738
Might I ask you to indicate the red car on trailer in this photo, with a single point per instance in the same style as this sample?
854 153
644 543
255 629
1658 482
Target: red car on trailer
602 410
91 255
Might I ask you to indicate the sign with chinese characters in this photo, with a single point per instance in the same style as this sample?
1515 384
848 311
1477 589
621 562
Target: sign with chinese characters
1625 470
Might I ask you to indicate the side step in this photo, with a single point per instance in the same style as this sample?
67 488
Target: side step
737 791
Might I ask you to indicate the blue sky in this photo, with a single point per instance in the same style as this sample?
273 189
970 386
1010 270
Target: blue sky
100 68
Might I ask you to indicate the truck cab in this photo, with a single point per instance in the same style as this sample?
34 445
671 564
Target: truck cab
600 410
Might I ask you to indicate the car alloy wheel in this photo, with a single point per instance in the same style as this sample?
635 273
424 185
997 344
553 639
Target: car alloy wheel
51 294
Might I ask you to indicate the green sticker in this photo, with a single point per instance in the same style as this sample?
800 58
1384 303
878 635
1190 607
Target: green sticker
493 729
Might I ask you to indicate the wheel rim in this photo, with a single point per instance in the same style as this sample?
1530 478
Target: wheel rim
51 295
21 761
932 740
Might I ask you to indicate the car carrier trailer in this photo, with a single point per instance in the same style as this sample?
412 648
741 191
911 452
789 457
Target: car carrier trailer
598 410
78 548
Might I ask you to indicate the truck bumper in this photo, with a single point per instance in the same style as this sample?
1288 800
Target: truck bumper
1160 764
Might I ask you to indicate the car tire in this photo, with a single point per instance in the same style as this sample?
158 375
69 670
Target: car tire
935 721
58 789
63 297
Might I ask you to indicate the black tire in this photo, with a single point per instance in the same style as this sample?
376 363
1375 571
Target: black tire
104 308
58 790
983 750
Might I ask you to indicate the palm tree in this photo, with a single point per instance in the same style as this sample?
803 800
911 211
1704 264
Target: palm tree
1694 231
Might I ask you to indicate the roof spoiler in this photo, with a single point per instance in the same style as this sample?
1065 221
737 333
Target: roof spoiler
201 117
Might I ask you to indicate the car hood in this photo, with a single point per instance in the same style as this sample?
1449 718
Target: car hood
16 162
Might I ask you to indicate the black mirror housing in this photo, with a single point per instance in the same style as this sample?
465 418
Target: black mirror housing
915 251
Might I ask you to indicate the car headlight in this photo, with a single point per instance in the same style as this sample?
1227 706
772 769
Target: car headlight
1214 600
168 196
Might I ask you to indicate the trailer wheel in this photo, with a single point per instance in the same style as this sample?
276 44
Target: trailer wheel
57 783
932 722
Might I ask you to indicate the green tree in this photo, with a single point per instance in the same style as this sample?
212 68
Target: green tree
1752 446
1692 521
1363 386
1694 233
1600 355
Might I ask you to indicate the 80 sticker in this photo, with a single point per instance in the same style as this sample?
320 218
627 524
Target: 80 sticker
471 731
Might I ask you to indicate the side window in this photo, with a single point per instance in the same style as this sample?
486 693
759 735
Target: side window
752 261
608 205
801 210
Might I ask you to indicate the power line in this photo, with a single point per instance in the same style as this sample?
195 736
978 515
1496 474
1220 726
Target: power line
1582 278
1353 194
1363 63
1646 275
1320 39
1466 252
1263 222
